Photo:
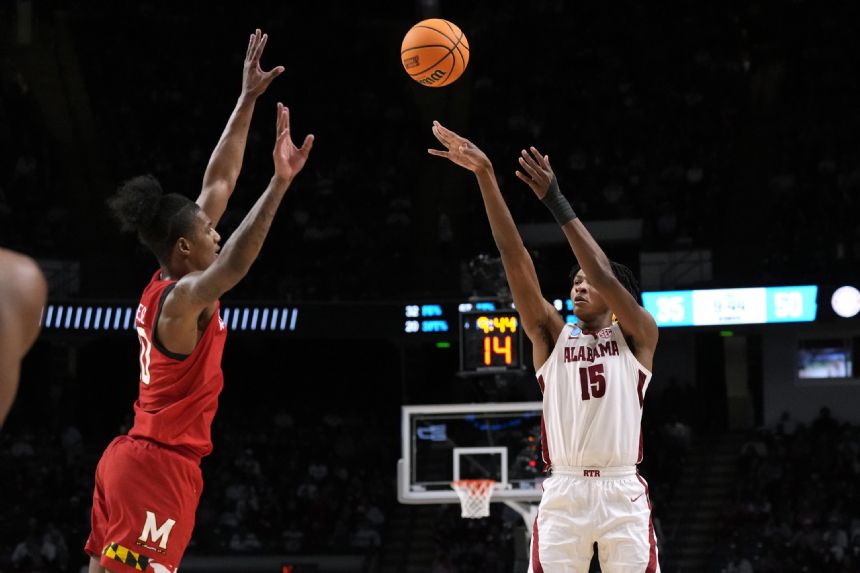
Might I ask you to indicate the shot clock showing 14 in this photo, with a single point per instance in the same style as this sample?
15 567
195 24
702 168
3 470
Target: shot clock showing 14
490 341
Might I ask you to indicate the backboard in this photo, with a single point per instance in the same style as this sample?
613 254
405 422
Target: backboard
446 442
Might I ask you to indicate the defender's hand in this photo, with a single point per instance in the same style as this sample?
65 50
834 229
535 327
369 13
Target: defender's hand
459 150
254 79
538 172
289 160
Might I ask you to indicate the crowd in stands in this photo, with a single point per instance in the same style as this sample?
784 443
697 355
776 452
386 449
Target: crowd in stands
34 216
485 545
702 122
287 486
797 501
714 126
296 487
47 483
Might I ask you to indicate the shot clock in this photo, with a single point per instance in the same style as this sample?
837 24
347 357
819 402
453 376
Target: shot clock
490 342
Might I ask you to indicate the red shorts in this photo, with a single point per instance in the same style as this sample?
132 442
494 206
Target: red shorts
143 507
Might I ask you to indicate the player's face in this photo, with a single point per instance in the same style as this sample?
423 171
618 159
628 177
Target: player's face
587 301
206 240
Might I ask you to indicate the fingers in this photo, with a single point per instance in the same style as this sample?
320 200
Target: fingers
284 133
308 144
438 134
280 120
541 160
524 178
255 46
536 165
533 162
446 133
251 45
447 137
437 152
531 168
528 181
261 45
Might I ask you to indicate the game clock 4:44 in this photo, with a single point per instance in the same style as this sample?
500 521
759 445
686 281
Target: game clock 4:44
490 342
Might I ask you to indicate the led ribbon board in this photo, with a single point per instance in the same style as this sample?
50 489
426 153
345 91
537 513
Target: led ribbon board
763 305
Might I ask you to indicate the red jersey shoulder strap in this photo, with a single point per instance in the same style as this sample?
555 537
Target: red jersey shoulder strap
155 341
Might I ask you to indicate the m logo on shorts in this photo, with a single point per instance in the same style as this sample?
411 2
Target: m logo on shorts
152 532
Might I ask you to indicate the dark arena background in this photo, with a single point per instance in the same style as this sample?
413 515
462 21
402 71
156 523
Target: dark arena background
707 145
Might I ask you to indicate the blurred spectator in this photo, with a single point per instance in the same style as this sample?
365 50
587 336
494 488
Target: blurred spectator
797 504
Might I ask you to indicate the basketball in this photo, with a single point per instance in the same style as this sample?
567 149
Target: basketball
434 52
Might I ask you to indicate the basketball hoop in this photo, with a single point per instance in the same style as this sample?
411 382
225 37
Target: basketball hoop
474 496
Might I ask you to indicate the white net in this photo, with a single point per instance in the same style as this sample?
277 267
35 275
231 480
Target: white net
474 496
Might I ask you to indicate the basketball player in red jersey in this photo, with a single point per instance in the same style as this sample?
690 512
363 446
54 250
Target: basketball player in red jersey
22 296
148 483
593 376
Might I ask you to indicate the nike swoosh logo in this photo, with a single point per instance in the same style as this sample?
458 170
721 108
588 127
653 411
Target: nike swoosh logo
633 499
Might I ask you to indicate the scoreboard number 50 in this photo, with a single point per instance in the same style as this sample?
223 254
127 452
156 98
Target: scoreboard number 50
788 304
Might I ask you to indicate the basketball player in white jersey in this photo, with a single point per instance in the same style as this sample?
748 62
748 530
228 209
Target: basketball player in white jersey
593 376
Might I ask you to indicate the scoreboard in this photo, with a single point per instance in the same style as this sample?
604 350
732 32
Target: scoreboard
490 342
762 305
489 330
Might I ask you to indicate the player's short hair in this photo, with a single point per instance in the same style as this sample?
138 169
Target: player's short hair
624 275
159 219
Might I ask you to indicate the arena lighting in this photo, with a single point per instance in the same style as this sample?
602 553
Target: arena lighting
89 317
566 308
846 301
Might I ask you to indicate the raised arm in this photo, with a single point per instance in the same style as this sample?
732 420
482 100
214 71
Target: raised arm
539 318
635 321
196 293
226 161
23 291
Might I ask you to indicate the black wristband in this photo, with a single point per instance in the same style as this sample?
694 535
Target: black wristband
557 204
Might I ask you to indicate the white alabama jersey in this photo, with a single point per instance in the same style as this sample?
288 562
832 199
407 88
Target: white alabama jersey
593 391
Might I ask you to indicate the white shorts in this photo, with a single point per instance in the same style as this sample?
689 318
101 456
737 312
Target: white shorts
581 506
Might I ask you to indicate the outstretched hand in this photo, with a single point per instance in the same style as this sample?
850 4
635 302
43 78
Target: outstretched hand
538 172
255 80
459 149
289 160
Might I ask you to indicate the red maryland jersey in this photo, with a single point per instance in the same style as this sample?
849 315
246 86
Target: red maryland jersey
178 393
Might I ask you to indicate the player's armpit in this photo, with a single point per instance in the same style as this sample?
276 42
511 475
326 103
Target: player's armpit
544 335
635 322
641 333
180 314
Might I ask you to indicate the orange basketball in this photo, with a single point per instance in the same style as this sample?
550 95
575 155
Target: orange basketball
434 52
